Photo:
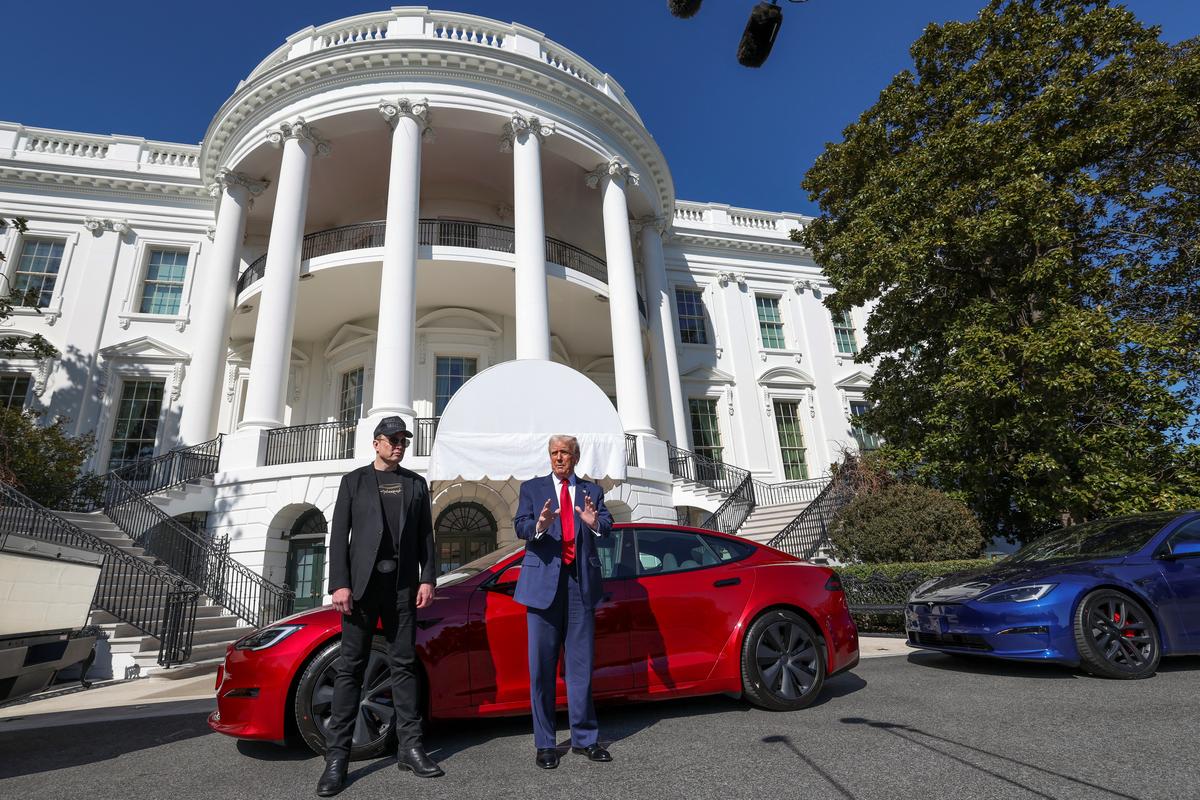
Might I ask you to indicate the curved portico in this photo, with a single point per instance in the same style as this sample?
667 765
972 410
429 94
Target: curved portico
426 149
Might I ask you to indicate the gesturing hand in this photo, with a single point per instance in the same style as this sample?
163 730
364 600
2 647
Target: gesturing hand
588 512
547 516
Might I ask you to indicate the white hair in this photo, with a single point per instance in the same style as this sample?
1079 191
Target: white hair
562 437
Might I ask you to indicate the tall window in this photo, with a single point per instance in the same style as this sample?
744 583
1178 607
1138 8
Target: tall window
136 428
770 323
706 435
689 307
37 271
843 333
464 532
163 287
866 441
13 389
451 373
791 440
306 559
350 399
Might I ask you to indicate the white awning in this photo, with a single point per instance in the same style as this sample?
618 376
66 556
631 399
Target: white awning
496 426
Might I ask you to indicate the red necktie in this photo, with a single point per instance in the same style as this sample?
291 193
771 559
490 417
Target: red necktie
566 516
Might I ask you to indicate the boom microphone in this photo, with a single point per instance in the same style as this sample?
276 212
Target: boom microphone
683 8
759 36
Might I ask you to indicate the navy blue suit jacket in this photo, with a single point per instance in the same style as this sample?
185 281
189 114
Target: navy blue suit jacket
538 580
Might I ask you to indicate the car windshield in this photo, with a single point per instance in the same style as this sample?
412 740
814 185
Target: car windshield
479 565
1104 538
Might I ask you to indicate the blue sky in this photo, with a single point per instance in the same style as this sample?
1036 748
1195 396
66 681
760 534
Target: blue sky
731 134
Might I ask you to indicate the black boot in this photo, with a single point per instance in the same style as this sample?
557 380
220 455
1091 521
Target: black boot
333 779
418 762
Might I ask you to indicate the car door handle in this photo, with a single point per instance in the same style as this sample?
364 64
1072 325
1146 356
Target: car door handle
727 582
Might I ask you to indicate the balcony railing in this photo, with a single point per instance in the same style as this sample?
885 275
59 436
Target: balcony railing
631 459
323 441
426 430
430 232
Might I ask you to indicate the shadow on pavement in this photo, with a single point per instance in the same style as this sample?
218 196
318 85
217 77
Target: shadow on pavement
1183 664
939 745
982 665
786 741
29 752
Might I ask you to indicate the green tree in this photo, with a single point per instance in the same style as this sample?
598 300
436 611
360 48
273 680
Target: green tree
34 346
905 522
1020 211
42 461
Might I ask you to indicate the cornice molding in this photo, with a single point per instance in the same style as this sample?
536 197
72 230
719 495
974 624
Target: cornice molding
747 245
111 185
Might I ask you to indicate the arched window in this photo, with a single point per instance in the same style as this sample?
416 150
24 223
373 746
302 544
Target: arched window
465 531
306 559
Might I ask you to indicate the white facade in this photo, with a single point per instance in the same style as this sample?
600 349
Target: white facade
391 193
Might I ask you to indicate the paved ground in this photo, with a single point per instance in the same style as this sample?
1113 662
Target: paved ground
922 726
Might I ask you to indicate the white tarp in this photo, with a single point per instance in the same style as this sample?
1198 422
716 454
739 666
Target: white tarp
497 425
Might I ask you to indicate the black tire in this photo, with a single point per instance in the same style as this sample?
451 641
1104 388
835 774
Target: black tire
374 732
1116 636
783 662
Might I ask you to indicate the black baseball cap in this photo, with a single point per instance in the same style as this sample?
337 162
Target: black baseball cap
391 426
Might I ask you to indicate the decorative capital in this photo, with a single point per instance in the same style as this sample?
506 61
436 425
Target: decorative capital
801 284
520 127
299 129
98 225
660 224
229 179
726 278
615 169
393 110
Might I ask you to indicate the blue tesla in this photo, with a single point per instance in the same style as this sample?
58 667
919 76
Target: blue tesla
1112 596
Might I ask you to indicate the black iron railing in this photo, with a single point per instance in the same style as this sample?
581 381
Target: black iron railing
173 468
203 562
788 492
716 475
631 457
804 535
730 515
321 441
444 233
425 431
131 589
879 593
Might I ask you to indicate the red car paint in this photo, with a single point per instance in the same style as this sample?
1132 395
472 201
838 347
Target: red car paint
660 636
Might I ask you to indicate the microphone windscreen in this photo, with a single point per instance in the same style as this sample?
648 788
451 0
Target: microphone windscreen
683 8
759 35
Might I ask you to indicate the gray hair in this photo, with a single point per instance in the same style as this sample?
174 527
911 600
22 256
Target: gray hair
562 437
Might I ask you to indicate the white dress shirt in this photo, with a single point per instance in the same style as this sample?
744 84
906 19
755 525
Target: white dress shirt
571 483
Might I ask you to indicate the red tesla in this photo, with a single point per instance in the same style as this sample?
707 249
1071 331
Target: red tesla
685 612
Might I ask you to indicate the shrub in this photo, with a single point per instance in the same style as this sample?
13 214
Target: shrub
41 461
905 522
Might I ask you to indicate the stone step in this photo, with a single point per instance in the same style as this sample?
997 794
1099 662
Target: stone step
100 617
224 622
148 659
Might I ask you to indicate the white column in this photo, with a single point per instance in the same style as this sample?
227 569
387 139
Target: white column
664 360
277 303
629 363
215 290
394 344
523 137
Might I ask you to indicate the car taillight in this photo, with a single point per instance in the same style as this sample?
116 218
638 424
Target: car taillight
834 584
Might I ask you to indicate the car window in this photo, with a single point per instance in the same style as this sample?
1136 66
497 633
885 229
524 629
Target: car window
1189 534
727 549
1100 539
479 565
663 551
615 553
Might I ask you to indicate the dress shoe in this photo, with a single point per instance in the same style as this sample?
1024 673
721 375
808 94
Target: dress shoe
333 779
594 753
418 762
547 757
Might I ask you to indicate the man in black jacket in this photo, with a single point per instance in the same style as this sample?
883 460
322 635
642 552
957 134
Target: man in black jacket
386 570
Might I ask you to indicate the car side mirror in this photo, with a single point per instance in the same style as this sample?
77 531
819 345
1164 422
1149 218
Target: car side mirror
1188 549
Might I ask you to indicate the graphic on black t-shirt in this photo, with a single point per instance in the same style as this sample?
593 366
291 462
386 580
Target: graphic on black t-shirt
391 502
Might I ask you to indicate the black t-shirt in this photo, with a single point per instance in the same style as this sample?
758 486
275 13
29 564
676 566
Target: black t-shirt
391 503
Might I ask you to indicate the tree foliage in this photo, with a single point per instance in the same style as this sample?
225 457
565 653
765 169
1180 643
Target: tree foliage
905 522
1021 212
34 346
42 461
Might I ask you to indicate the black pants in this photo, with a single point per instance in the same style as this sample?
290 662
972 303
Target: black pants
396 606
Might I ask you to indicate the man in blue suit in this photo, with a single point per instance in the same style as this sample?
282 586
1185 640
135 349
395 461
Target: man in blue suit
560 515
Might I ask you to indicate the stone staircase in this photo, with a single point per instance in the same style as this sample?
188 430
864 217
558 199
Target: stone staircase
766 521
215 630
195 495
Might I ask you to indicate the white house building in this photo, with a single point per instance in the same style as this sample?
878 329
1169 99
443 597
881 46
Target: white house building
387 205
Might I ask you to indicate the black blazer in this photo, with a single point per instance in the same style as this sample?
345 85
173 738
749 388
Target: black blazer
352 558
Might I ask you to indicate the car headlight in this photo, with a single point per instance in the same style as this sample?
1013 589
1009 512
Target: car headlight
920 590
267 637
1020 594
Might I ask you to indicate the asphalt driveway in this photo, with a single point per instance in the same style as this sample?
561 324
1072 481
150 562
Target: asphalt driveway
922 726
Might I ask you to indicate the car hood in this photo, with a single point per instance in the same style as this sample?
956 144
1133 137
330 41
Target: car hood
962 586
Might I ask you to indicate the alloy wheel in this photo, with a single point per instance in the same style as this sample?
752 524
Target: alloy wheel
375 712
787 659
1120 633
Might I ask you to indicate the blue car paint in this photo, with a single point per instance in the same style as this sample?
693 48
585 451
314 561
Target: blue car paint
1170 591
